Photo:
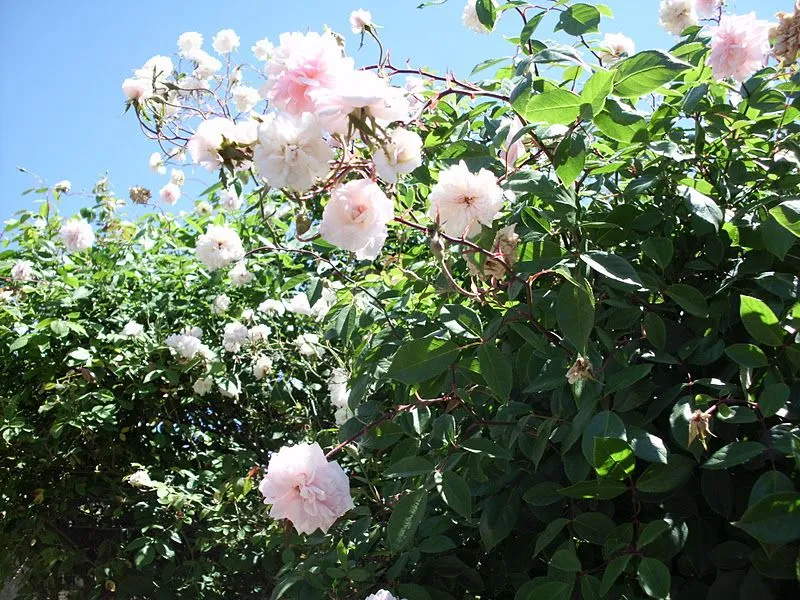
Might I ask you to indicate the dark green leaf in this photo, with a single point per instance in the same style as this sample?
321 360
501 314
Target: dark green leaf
689 299
579 19
405 519
575 314
747 355
654 578
422 359
456 494
496 370
735 453
760 321
775 519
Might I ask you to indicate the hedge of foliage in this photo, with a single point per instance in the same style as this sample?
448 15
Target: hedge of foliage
587 390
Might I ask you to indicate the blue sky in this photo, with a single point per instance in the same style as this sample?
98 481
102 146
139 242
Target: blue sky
61 108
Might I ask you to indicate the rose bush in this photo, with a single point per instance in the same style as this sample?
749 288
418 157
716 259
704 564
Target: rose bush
531 335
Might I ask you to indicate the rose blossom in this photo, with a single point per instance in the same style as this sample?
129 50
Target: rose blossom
204 209
262 49
259 333
509 154
218 247
307 344
188 42
272 307
614 46
187 346
355 218
220 304
177 177
137 89
77 235
234 336
207 65
461 201
677 15
239 274
170 194
470 17
244 97
400 154
22 270
230 200
381 595
707 8
207 140
360 20
262 367
203 385
291 152
739 46
132 329
303 487
225 42
300 66
140 479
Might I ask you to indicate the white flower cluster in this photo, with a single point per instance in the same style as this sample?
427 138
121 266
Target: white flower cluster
187 344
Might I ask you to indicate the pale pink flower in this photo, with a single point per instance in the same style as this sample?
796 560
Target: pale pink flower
291 152
239 274
365 91
303 487
461 201
739 46
77 235
170 194
615 46
360 20
262 49
677 15
470 17
355 218
189 42
22 270
220 305
381 595
207 65
225 42
234 336
262 367
510 153
219 247
205 144
400 154
244 97
707 8
137 89
300 66
230 200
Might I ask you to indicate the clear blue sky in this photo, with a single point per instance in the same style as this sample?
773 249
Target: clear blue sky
63 63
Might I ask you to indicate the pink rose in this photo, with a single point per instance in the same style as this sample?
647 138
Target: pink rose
355 218
302 486
739 46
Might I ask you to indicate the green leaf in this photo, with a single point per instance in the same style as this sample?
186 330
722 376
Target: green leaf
575 315
550 590
645 72
549 534
593 527
747 355
655 330
81 354
625 378
770 482
651 531
788 215
570 158
612 266
689 299
597 89
456 494
487 13
654 578
405 519
613 458
542 494
480 445
659 249
621 123
773 398
579 19
565 560
602 489
735 453
760 321
555 106
409 467
423 359
498 518
660 478
646 445
604 424
614 569
496 370
530 27
702 206
775 519
436 544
